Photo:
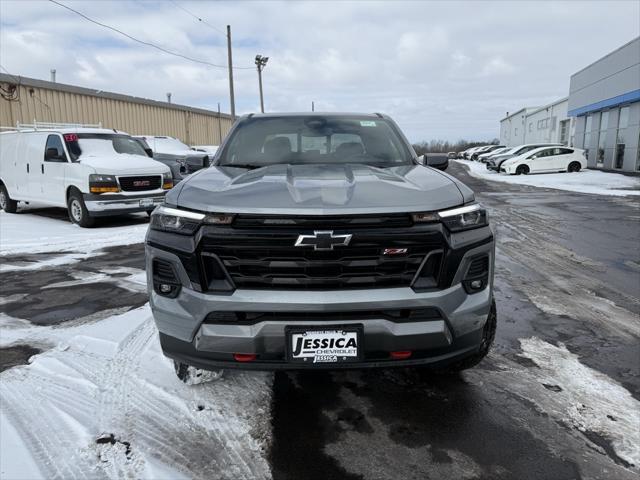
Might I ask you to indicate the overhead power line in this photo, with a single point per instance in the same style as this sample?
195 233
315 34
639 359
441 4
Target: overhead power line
200 19
149 44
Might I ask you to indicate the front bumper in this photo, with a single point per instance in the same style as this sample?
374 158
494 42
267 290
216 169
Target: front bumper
188 336
108 204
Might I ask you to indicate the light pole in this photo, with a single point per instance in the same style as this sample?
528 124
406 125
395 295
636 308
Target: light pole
260 63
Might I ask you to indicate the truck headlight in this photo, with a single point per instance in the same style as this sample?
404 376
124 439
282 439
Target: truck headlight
103 183
167 181
185 222
456 219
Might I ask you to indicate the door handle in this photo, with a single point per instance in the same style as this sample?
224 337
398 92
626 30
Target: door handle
42 167
27 168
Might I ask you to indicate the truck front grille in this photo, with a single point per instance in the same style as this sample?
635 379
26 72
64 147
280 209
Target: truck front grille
140 183
266 258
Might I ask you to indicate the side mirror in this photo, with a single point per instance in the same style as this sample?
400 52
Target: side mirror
149 152
51 155
422 160
437 160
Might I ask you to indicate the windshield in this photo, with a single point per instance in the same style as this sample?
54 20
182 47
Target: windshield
168 145
259 142
95 144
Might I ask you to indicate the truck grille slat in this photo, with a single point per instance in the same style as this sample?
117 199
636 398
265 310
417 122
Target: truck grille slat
140 183
266 257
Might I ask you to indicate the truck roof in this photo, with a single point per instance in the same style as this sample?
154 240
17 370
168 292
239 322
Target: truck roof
104 131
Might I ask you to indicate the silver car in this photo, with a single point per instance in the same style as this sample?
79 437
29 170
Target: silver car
320 241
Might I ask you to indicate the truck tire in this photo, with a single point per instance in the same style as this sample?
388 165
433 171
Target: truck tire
488 335
77 210
6 204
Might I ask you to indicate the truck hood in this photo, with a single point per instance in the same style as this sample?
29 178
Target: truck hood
317 190
123 164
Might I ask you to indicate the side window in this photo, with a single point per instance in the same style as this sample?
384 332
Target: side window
562 151
543 153
54 142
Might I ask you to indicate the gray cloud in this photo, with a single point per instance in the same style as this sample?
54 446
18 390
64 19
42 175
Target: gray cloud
441 69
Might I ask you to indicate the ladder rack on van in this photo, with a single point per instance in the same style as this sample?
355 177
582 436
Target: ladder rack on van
49 125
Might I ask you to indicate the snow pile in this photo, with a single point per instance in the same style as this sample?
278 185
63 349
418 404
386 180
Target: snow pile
586 399
31 232
585 181
105 403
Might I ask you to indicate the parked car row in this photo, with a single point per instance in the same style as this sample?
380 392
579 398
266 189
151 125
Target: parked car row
91 171
529 158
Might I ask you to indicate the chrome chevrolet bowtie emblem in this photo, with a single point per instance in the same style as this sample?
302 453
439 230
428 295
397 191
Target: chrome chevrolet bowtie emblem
324 240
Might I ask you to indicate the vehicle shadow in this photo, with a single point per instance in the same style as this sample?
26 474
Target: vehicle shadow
102 222
399 423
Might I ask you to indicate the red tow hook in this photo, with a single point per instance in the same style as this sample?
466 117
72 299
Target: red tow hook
401 355
244 357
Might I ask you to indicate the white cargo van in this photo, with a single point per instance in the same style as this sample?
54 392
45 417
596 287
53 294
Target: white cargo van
92 172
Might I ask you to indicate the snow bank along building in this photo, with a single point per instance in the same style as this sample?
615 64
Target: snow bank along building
26 99
601 113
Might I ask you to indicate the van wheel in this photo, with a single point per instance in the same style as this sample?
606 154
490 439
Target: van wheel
6 204
194 376
574 167
488 335
522 170
78 212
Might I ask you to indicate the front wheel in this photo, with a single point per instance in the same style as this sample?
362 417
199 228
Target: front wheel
488 335
574 167
6 203
522 170
78 212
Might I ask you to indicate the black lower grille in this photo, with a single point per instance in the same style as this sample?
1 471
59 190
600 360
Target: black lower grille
478 268
397 316
141 183
373 258
163 272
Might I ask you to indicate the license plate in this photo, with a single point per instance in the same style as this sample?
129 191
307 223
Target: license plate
146 202
323 344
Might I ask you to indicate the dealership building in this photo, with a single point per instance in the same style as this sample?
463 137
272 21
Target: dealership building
600 115
605 99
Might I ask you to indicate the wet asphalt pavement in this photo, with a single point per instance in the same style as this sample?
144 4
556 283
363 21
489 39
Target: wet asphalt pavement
567 276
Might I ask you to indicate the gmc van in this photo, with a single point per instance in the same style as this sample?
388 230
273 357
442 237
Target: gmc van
92 172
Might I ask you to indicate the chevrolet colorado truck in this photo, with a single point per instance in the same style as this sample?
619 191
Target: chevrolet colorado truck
320 241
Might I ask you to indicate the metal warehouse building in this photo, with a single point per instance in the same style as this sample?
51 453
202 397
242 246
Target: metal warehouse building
26 99
605 98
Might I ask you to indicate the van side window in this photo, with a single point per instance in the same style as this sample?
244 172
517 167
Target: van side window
54 141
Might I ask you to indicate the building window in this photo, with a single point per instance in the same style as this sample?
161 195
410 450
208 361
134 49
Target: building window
623 123
602 138
564 131
515 132
586 141
530 127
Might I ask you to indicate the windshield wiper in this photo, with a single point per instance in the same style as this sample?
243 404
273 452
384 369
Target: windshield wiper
248 166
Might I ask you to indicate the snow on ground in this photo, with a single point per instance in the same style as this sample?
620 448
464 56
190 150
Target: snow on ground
103 402
31 232
585 181
584 398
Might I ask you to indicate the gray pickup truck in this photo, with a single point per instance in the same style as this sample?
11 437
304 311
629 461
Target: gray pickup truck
320 241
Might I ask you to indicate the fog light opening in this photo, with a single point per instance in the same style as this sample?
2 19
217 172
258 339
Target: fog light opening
244 357
165 288
401 354
476 284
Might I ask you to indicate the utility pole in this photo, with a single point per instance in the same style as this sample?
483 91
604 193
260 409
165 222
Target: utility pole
219 126
233 100
260 63
313 107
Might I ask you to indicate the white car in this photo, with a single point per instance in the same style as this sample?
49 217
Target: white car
92 172
483 157
546 159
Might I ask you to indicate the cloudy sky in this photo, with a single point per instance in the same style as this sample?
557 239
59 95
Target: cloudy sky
445 70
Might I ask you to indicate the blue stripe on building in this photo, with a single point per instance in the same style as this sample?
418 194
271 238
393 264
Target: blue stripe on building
633 96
